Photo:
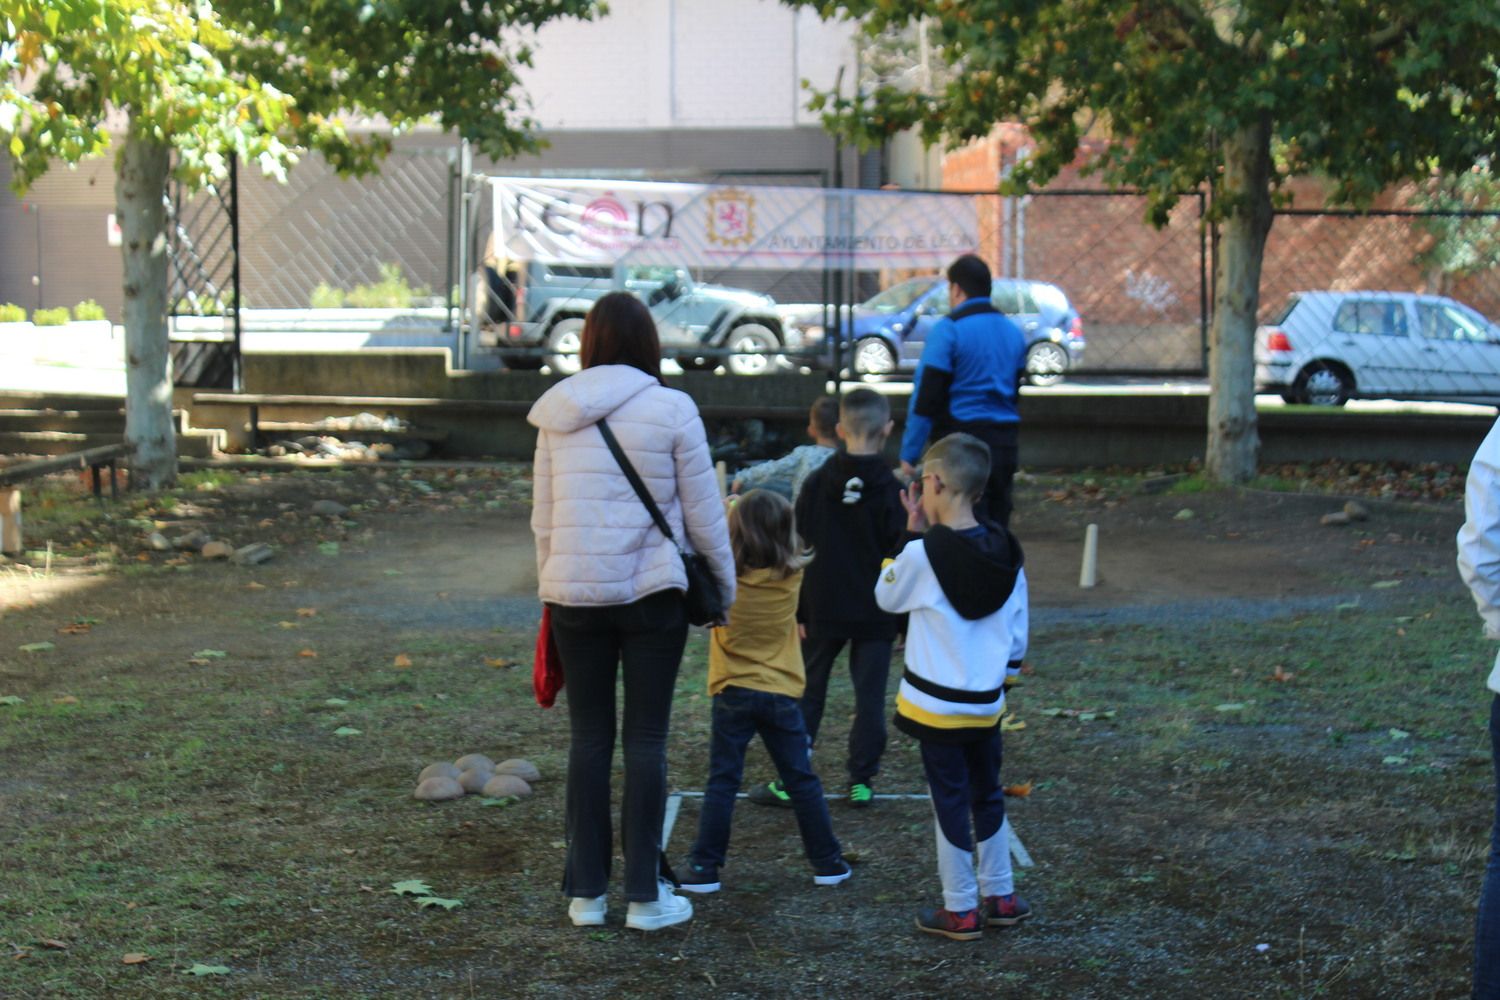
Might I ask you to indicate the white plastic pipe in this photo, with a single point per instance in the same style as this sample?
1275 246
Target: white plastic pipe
721 472
1089 574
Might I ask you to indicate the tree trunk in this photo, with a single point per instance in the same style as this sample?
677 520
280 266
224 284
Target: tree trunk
140 192
1233 444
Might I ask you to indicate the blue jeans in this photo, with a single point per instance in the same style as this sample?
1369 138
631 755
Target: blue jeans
1487 926
739 713
643 641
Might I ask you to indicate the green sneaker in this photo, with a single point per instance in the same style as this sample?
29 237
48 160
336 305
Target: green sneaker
860 795
770 794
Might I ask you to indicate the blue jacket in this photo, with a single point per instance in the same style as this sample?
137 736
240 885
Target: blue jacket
970 373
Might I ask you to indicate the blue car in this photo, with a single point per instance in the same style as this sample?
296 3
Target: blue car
889 330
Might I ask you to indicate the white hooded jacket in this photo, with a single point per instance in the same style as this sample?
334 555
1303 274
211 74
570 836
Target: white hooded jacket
596 544
1479 539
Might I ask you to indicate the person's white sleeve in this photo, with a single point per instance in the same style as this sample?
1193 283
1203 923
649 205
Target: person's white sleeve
1021 628
541 500
703 518
764 472
906 583
1479 538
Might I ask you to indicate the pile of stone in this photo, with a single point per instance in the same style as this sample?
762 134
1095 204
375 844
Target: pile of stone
208 547
476 774
327 447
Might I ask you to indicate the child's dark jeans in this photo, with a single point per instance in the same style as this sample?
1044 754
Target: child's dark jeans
869 669
738 714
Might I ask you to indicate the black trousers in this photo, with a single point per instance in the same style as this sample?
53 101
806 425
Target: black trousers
1002 440
644 642
869 667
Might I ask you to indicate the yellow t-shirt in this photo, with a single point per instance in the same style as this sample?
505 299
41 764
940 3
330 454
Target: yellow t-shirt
759 648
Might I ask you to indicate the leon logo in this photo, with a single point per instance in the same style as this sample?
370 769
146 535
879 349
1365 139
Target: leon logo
731 218
606 222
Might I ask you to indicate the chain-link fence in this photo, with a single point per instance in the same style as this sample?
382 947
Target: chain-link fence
1386 304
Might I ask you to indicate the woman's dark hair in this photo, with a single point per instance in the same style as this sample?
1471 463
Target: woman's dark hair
762 535
619 330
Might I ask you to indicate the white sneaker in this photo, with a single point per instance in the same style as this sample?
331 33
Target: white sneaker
586 912
668 909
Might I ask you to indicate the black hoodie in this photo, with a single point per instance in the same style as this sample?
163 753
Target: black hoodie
977 571
850 513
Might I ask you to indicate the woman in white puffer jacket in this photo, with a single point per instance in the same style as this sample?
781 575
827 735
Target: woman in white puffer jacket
615 586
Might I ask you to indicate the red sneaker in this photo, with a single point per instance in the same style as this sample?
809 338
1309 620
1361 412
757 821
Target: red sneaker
965 926
1005 911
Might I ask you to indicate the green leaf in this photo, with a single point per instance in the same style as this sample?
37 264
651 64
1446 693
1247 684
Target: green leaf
1230 706
346 731
329 548
1394 758
210 654
336 702
504 800
37 647
1400 734
1385 584
427 902
411 887
11 699
199 969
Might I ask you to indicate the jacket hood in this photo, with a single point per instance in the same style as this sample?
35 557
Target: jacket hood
977 574
855 479
583 399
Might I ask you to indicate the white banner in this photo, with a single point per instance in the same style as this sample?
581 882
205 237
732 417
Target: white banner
604 222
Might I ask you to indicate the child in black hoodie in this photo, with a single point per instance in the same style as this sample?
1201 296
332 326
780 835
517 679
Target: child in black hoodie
849 512
964 586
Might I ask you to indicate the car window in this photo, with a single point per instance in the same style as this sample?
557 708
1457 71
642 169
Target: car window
898 297
650 273
1049 297
1442 321
1007 298
1380 317
1286 310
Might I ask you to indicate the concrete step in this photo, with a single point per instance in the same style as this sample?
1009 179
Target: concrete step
17 400
82 421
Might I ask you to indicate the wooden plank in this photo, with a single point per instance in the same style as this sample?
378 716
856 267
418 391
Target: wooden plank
22 471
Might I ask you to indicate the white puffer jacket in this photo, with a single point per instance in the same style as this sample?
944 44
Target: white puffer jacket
1479 540
596 545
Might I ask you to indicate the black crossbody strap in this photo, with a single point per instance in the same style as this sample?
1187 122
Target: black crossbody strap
635 481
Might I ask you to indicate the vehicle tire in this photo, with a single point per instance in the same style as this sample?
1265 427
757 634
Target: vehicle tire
872 356
1046 363
1323 384
564 340
521 362
754 348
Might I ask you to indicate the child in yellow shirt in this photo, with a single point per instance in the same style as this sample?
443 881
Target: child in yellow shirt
755 676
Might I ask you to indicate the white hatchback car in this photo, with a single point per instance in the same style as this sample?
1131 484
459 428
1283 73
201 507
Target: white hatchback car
1326 347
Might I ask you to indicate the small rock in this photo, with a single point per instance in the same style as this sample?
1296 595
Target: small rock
1185 514
468 761
503 785
329 508
193 540
475 778
252 555
1357 511
157 542
439 789
1336 518
523 769
216 550
442 769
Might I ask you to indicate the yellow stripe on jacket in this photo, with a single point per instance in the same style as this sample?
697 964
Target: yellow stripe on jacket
759 648
937 720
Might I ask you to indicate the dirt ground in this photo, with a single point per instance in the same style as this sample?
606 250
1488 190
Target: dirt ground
174 786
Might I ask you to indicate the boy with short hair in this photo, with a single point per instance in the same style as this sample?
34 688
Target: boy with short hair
849 512
787 474
963 583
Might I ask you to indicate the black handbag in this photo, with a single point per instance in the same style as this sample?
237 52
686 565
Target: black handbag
703 601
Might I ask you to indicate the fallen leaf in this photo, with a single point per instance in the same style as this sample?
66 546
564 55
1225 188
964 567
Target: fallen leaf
427 902
77 628
1394 758
1399 734
1281 676
308 654
346 731
135 958
210 654
37 647
329 548
504 800
53 943
307 612
252 585
199 969
401 662
411 887
11 699
1385 584
1011 724
498 661
197 661
336 702
288 625
1020 791
1230 706
66 699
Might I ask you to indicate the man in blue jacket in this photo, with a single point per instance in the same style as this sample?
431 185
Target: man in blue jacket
969 379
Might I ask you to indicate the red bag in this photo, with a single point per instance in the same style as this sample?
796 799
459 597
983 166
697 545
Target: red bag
546 670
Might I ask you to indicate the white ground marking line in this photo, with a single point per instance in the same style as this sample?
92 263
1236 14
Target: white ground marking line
674 804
